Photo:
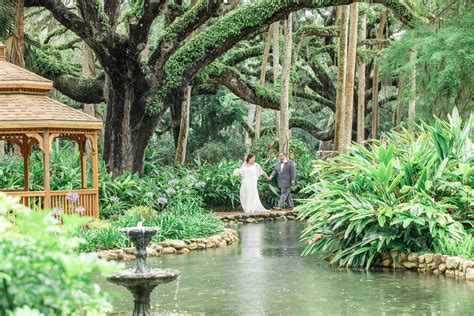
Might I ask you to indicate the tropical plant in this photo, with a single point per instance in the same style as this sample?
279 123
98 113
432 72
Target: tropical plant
406 192
162 187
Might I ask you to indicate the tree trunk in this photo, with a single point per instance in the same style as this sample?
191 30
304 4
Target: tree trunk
250 119
128 128
375 85
276 62
399 110
180 157
88 70
263 72
349 95
361 93
16 42
285 88
174 102
341 78
412 103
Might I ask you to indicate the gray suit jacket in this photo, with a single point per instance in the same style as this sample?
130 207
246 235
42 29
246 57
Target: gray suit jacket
286 176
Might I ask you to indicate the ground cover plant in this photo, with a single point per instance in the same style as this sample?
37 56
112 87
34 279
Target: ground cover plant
181 222
161 186
410 191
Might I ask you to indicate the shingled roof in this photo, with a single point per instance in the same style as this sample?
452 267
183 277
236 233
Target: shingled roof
24 102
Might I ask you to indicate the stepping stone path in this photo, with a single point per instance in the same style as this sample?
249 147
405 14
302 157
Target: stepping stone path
232 218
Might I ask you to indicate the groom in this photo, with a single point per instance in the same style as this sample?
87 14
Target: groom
286 171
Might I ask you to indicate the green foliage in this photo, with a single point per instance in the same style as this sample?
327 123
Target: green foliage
445 63
135 9
317 30
7 17
39 269
407 192
463 247
49 62
179 221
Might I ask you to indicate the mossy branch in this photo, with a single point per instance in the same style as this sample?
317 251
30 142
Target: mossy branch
237 55
218 73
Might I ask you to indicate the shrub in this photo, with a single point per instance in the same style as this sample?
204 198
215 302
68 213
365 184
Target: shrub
406 192
463 247
161 187
179 221
40 273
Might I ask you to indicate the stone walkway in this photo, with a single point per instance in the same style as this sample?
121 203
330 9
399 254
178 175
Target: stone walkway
241 217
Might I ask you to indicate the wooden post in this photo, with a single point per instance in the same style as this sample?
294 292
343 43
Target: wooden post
95 174
26 154
83 153
46 151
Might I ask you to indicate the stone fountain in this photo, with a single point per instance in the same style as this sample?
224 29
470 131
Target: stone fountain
140 280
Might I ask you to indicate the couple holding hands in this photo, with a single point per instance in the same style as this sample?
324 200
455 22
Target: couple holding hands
251 171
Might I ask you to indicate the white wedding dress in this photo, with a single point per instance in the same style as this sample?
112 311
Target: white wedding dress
248 189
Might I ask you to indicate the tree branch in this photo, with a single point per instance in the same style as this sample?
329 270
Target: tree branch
63 15
112 10
295 122
80 89
237 55
315 97
140 26
212 42
181 28
244 89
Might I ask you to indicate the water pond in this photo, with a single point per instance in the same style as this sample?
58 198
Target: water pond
265 275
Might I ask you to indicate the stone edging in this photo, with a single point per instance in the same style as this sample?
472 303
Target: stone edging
245 218
173 246
454 267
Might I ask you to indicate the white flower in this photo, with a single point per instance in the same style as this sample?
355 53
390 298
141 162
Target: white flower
237 172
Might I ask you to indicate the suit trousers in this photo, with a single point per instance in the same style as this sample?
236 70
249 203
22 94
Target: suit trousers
286 197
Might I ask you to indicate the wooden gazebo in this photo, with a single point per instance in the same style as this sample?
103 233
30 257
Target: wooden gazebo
27 117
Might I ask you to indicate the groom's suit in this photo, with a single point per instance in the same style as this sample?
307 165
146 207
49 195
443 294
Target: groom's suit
286 172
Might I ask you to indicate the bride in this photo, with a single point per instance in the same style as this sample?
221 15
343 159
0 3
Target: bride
249 198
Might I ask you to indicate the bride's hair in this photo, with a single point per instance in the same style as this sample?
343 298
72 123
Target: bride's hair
249 156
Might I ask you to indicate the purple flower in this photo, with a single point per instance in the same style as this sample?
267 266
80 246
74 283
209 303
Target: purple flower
57 212
200 184
170 191
173 181
72 196
191 177
80 210
114 199
162 200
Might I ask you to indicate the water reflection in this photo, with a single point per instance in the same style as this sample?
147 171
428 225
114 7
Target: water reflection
265 275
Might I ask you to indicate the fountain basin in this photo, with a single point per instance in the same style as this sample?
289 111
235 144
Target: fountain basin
153 277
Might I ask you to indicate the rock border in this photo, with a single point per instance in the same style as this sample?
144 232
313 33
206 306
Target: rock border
435 263
250 218
174 246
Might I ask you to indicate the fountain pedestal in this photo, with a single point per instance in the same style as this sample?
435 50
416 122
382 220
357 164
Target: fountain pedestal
141 281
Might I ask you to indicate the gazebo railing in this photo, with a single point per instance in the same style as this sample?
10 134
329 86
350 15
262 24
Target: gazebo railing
84 205
82 202
31 199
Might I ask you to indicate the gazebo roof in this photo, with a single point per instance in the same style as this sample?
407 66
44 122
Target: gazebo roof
24 102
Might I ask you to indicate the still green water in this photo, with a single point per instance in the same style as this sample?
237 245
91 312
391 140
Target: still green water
265 275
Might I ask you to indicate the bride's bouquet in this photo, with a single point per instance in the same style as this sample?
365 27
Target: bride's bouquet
237 172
